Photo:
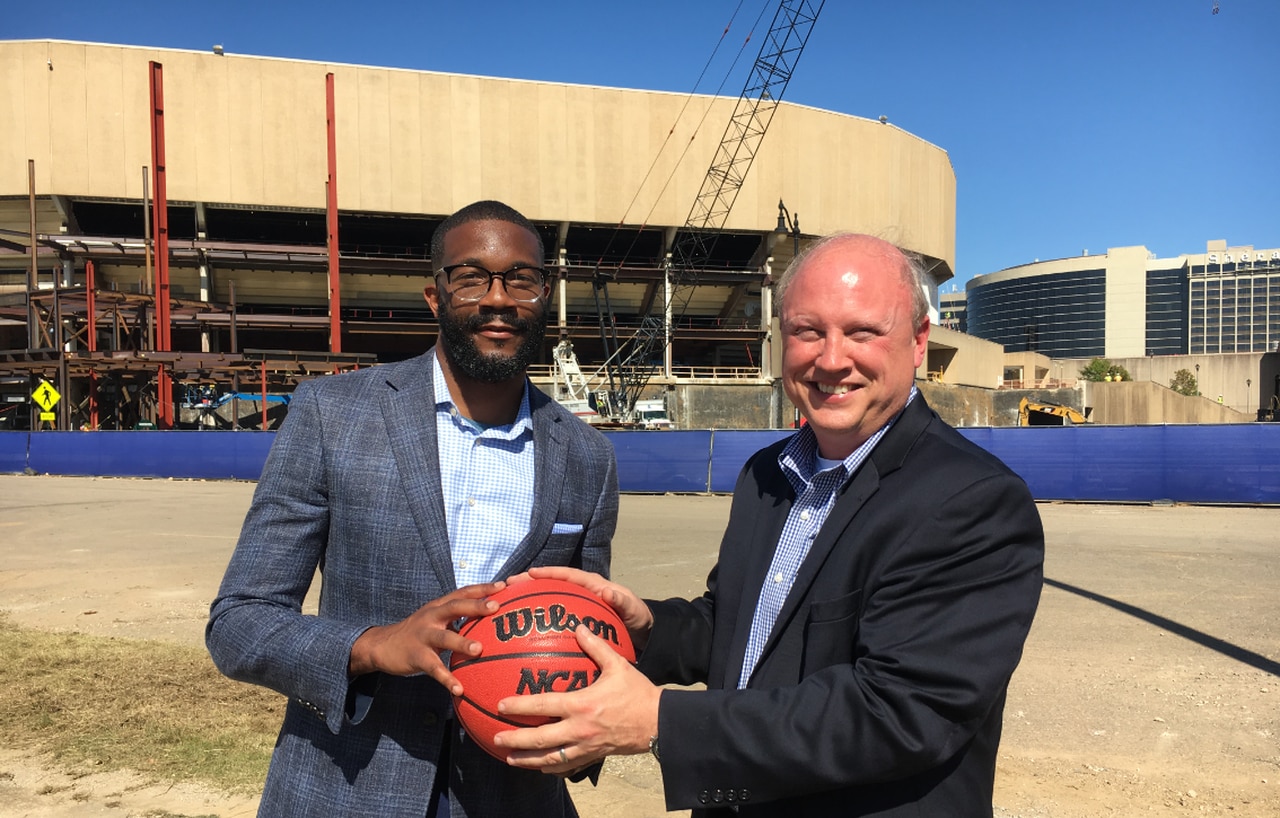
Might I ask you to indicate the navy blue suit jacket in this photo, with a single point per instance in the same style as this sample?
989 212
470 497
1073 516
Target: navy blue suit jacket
881 687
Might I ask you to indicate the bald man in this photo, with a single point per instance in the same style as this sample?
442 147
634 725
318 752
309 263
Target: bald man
875 585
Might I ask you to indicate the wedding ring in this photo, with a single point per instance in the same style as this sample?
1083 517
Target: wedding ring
563 758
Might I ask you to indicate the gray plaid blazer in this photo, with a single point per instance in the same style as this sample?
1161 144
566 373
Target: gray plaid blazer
351 488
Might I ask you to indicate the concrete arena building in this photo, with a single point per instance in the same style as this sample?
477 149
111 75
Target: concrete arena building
246 170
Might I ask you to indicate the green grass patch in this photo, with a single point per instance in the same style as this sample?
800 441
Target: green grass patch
158 709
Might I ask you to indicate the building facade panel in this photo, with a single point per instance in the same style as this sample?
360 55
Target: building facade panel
1234 300
250 131
1057 314
1166 326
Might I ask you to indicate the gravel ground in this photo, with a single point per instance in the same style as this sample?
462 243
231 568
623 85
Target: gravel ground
1148 687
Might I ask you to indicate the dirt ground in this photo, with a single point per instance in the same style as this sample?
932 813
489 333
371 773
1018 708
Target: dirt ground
1150 684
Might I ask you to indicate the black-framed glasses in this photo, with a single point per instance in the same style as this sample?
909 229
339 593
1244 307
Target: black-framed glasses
470 282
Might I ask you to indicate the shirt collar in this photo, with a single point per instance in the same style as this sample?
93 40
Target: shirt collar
444 401
799 458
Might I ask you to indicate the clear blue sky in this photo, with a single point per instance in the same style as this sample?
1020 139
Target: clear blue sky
1071 125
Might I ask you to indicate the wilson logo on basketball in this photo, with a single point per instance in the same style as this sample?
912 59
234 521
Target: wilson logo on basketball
521 622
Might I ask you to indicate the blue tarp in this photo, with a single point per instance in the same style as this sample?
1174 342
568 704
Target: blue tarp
654 461
199 455
1237 463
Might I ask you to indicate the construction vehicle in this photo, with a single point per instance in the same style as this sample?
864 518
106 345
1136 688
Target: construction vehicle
573 389
652 414
1272 412
1033 413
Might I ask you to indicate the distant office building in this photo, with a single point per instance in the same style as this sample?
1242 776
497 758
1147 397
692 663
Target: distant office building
1127 303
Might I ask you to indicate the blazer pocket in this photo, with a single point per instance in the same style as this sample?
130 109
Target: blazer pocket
566 528
835 610
831 633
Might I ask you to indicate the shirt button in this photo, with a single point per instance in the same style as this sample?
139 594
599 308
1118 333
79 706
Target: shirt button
471 501
704 797
431 719
778 577
463 565
804 515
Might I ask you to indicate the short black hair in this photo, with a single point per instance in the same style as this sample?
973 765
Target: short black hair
486 210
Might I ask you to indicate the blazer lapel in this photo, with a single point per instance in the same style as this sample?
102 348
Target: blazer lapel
763 535
408 407
887 457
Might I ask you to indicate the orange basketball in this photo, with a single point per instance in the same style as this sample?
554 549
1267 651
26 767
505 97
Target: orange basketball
529 647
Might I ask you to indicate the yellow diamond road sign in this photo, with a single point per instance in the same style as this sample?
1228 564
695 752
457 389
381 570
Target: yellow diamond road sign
46 396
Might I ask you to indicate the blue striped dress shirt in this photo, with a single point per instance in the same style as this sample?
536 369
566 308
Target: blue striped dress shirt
486 477
816 482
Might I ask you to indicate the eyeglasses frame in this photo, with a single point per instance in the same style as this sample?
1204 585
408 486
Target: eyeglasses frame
453 294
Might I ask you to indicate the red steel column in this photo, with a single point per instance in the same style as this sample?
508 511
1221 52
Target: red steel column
331 191
160 214
91 313
264 393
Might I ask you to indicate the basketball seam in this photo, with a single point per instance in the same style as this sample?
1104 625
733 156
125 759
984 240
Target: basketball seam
525 654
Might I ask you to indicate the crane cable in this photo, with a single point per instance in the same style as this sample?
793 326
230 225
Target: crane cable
688 98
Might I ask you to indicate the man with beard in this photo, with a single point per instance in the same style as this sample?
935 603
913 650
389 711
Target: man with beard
411 515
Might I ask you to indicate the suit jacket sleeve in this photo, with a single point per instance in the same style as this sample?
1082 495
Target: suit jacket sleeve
256 632
895 658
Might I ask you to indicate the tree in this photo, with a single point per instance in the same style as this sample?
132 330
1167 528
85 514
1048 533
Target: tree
1095 370
1184 383
1100 369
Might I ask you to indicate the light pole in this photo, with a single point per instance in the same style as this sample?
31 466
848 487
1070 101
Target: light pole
789 224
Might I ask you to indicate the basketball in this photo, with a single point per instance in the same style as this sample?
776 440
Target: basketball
529 648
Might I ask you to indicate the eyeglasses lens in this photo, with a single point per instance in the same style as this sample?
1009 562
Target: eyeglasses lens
470 282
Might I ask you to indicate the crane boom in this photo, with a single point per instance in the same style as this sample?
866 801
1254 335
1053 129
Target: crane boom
770 73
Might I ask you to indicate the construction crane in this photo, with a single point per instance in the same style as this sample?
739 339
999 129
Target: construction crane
629 364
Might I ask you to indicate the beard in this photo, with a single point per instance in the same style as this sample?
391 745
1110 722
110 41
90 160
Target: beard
458 335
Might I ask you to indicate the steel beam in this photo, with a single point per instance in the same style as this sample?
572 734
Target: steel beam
164 387
331 194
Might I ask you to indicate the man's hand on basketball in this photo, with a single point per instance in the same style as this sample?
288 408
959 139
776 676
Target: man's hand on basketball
614 715
631 608
414 644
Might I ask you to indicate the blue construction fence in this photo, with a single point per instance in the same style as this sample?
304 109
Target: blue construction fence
1238 464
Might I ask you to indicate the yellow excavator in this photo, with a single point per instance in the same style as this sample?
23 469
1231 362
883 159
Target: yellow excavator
1031 413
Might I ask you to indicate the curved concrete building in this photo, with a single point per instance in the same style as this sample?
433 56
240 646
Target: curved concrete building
609 175
1126 303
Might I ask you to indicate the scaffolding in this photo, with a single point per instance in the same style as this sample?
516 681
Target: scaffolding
94 349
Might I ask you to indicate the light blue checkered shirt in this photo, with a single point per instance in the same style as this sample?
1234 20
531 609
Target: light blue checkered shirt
486 477
815 482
